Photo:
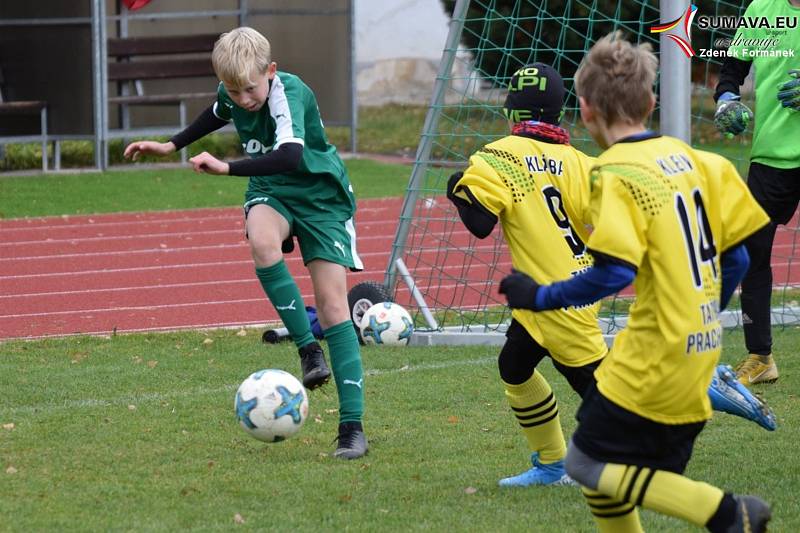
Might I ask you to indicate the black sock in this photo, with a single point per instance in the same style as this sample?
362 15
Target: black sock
722 519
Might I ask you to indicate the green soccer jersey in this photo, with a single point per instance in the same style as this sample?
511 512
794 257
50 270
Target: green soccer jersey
319 189
775 126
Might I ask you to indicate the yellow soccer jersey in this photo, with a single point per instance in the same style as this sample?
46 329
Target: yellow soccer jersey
540 193
669 211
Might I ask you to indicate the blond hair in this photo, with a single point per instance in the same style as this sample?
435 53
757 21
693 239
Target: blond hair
240 53
616 78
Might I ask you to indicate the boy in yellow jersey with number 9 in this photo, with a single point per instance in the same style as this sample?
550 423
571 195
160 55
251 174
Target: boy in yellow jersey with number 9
536 185
675 218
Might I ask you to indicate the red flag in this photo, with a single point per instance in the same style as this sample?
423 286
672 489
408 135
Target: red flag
133 5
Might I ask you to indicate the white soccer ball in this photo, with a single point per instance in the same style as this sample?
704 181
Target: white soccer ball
271 405
387 323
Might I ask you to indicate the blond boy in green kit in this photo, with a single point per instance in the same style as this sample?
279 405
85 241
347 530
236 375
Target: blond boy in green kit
299 188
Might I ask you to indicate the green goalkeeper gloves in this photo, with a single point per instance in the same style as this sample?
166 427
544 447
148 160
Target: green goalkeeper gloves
732 116
789 92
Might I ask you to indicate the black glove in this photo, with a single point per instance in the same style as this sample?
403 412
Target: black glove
520 290
789 92
451 185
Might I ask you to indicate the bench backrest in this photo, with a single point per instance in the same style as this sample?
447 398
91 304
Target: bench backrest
174 67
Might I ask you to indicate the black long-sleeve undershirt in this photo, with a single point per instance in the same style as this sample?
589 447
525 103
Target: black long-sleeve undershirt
205 123
286 158
731 76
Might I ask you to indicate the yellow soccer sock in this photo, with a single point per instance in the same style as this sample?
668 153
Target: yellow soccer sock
536 410
612 515
661 491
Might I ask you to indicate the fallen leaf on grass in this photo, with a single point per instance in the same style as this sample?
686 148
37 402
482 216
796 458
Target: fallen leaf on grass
452 419
470 490
239 519
241 333
131 407
9 426
208 341
152 364
344 498
11 470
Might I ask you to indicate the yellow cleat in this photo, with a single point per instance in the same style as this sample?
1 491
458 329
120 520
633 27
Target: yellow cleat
757 369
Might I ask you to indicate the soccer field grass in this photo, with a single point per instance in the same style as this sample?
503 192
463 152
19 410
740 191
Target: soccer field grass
155 189
137 432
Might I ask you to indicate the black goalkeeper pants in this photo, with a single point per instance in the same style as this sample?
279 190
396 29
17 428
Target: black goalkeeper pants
778 192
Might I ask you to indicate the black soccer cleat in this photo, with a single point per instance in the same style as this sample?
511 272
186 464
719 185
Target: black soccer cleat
315 370
752 515
352 441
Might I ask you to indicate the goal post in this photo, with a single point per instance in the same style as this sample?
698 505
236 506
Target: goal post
456 275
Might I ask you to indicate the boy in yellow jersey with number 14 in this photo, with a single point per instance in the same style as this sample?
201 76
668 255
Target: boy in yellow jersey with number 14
536 185
675 218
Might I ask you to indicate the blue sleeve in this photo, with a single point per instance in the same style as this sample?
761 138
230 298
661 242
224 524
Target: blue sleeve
735 263
595 283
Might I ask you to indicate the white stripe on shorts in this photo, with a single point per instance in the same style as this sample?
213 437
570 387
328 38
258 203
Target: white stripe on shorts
351 230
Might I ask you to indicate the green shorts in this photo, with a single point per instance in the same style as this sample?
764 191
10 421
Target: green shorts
330 240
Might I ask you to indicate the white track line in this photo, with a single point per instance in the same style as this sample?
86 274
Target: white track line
249 280
157 397
135 288
133 269
79 240
239 231
306 297
140 307
242 244
235 214
125 252
112 224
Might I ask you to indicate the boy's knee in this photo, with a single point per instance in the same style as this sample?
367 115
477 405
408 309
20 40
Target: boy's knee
582 468
265 254
332 311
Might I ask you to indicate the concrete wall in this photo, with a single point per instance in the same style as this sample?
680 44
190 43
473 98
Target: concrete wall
398 47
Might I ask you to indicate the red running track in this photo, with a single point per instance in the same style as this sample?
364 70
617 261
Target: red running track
151 271
192 269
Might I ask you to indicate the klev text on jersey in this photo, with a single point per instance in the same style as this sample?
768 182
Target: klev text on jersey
675 164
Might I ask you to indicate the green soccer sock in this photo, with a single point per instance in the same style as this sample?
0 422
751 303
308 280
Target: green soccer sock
345 354
282 291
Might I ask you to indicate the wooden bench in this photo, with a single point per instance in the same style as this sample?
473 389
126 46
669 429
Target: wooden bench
132 60
21 108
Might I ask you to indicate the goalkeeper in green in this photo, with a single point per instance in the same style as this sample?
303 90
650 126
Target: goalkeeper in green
774 176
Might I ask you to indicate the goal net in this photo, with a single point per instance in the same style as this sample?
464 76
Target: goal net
456 275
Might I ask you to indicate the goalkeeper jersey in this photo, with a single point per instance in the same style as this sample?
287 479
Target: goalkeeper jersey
775 127
319 189
540 193
669 211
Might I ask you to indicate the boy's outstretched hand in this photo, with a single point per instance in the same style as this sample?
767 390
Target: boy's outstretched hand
135 149
209 164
